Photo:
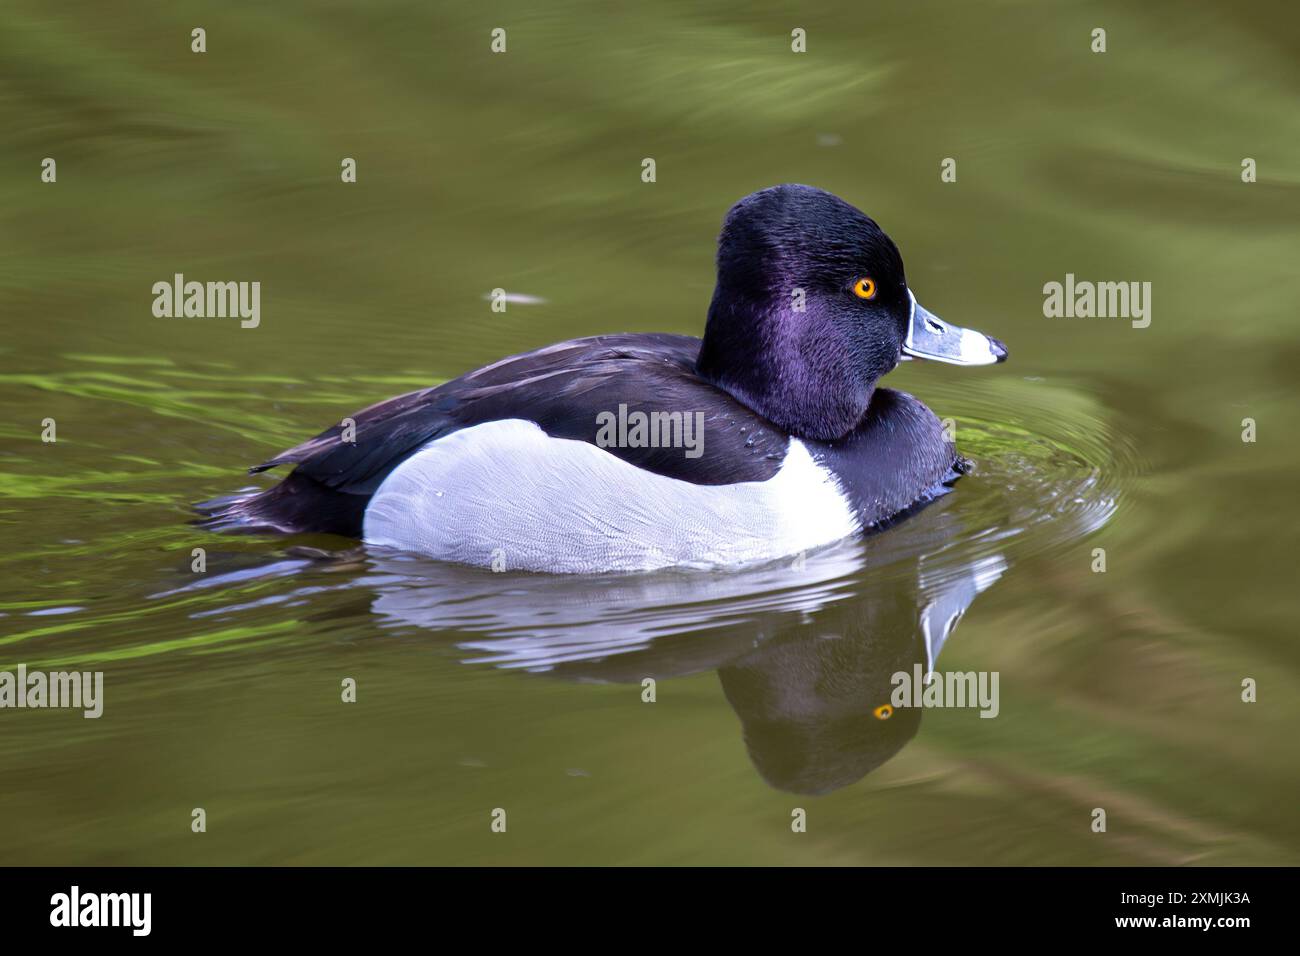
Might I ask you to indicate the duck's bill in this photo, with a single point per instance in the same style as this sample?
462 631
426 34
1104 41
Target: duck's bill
929 337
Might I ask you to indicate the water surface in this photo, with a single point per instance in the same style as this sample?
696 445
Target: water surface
1118 690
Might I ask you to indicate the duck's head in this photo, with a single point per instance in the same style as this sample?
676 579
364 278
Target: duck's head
812 307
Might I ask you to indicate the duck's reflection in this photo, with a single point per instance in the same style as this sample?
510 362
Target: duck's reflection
805 651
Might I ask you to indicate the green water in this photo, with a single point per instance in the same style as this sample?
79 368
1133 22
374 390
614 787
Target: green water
1119 690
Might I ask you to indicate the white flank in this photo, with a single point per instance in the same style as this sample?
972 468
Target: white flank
505 490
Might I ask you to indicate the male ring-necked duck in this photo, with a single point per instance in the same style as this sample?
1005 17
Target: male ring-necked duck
516 465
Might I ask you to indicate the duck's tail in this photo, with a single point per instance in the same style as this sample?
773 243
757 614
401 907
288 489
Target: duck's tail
297 505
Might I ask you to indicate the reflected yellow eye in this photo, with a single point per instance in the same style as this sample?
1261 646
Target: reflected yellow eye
865 289
883 712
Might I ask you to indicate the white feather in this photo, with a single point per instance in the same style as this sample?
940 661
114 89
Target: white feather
506 491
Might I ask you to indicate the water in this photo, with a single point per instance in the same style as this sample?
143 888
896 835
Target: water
477 691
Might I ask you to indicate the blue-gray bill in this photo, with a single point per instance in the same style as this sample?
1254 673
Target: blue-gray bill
929 337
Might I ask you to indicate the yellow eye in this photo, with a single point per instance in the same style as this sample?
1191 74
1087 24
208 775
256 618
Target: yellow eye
884 711
865 289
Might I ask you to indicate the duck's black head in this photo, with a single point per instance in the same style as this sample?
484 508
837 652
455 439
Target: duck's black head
812 307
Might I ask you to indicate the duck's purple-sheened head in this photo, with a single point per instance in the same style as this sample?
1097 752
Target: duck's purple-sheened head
812 307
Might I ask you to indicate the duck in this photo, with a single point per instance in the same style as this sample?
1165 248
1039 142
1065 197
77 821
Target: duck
767 438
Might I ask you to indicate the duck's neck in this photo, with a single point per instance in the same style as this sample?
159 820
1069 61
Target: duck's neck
806 384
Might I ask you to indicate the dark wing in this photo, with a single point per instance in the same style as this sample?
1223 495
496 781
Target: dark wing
562 388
